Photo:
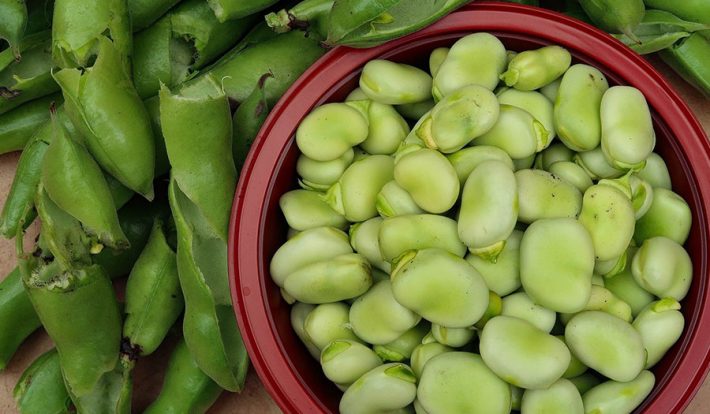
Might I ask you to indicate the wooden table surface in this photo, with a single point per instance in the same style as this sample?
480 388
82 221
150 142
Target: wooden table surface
254 399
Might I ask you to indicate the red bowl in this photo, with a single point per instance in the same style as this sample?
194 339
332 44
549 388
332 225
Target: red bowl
257 229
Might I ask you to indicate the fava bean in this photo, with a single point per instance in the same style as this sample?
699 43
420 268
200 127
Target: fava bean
328 322
414 287
417 110
397 235
344 361
660 325
342 277
320 175
517 133
627 136
655 172
489 209
467 159
436 58
595 164
576 367
607 344
609 217
521 354
299 313
520 305
305 209
355 194
543 195
554 153
571 173
402 347
619 397
576 110
585 382
383 389
394 83
475 59
533 69
393 200
551 89
429 178
460 382
601 299
668 215
663 267
423 353
503 275
535 103
560 397
387 129
378 318
364 237
330 131
453 337
556 264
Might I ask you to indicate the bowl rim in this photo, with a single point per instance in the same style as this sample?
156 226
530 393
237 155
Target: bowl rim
264 348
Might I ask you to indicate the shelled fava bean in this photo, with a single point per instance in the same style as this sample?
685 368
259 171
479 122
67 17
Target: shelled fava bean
448 255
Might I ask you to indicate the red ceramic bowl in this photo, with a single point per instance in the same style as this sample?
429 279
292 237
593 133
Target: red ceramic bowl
288 372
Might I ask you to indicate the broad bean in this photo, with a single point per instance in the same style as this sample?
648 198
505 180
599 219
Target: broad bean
328 322
399 234
320 175
533 69
543 195
355 193
344 361
402 347
393 200
619 396
453 337
668 215
306 209
663 267
425 352
466 160
660 325
343 277
394 83
378 318
571 173
385 388
535 103
517 133
503 275
560 397
520 305
655 172
595 164
330 131
364 237
429 178
609 217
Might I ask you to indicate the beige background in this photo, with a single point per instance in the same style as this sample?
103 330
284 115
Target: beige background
254 399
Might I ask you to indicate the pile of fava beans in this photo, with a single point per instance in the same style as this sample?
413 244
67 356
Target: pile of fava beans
494 235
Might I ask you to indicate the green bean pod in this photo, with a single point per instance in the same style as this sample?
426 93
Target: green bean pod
364 24
153 296
693 10
660 29
30 78
663 267
328 322
489 209
607 344
186 39
660 325
385 388
609 217
286 56
378 318
78 27
418 231
458 118
234 9
394 83
621 397
344 361
79 311
19 125
121 141
562 397
393 200
615 16
415 289
429 178
520 305
186 389
401 348
556 264
685 58
41 389
543 195
477 58
503 275
461 382
627 129
13 21
17 316
247 121
668 215
18 208
146 12
522 354
576 109
67 169
516 132
309 14
533 69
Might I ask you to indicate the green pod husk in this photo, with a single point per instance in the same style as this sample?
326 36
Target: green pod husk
247 121
30 78
186 389
121 141
153 296
368 23
79 310
660 29
67 171
17 316
235 9
615 16
19 125
78 27
197 127
209 325
688 58
693 10
13 21
311 15
286 56
41 389
146 12
188 38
